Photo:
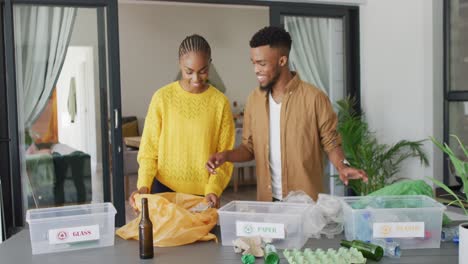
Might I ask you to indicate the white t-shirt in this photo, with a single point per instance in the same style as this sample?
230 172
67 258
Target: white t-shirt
275 148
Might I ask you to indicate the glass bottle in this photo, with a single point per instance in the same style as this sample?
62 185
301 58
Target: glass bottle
145 229
368 250
271 256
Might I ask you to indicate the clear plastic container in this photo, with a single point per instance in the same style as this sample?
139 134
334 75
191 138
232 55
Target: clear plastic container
71 227
413 221
282 223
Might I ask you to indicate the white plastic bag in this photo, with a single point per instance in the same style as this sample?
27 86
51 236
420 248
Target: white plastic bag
298 197
322 218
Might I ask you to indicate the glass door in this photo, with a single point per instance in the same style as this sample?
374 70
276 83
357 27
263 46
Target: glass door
68 103
4 139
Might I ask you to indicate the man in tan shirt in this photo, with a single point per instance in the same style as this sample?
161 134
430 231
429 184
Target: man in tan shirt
288 125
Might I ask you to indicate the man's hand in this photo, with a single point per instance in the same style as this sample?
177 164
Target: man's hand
215 161
212 199
349 173
131 200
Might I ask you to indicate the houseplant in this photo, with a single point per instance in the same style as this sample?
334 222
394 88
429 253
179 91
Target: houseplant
362 149
461 169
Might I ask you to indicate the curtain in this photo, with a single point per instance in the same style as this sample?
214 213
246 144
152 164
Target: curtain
51 133
310 51
42 35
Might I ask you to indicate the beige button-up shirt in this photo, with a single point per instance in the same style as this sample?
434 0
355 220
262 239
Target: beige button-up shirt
308 128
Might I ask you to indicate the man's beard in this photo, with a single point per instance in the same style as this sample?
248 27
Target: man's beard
269 86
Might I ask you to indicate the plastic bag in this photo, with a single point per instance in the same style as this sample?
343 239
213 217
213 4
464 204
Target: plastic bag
298 197
409 187
322 218
315 221
406 187
173 223
330 206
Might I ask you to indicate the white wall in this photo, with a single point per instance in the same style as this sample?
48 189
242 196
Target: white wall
401 74
328 2
80 134
150 35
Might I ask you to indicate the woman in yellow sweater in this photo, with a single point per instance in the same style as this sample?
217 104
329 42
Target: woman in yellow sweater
187 120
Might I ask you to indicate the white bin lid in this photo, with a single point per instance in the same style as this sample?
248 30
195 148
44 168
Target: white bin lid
48 214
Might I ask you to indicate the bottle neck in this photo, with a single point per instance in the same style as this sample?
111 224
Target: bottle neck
345 243
144 208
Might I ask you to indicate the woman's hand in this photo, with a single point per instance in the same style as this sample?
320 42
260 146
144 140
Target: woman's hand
131 200
212 199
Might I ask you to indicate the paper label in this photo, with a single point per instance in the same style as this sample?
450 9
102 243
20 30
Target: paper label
73 234
267 230
398 229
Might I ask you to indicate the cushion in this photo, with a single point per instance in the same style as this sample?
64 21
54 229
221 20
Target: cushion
130 129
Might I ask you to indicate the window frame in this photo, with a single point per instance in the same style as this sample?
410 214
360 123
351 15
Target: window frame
449 95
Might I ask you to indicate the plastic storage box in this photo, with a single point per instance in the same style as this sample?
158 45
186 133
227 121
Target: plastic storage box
71 227
414 221
281 222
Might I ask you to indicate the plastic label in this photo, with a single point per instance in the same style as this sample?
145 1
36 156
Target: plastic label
398 229
73 234
267 230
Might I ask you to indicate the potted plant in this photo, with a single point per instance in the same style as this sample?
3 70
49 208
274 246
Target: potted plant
460 165
461 169
362 149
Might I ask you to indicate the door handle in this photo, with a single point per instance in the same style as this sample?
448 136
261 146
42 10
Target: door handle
116 118
5 139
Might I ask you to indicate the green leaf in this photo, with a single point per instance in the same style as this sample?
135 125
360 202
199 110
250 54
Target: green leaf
362 149
465 150
448 190
461 167
452 202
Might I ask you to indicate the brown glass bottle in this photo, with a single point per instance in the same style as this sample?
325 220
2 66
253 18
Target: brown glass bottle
145 232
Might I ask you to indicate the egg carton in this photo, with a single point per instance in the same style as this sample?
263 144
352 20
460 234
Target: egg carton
319 256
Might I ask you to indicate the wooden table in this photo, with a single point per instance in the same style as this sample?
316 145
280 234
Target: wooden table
132 141
18 250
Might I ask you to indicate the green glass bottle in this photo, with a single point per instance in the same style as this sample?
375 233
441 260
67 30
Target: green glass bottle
248 259
271 256
368 250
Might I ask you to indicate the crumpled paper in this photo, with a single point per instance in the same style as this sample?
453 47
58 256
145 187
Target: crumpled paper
248 245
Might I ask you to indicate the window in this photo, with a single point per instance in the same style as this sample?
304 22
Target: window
456 79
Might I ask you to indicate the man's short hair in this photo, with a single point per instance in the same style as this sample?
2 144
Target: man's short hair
275 37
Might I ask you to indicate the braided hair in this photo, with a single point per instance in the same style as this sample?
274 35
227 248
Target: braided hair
194 43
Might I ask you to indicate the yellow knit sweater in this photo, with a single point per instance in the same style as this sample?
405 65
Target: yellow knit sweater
181 131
